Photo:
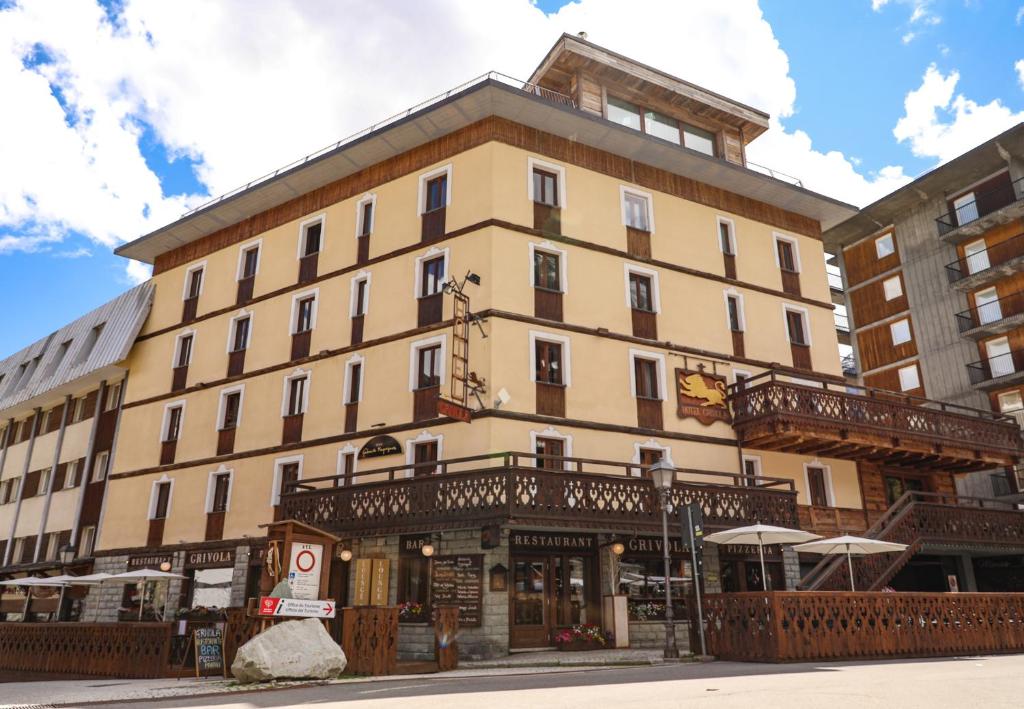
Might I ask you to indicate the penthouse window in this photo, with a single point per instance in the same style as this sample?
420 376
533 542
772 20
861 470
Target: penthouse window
699 139
624 113
90 344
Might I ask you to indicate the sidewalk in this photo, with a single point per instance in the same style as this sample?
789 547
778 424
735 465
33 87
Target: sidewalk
54 693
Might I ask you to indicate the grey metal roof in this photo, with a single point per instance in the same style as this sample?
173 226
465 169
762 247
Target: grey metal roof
489 95
59 368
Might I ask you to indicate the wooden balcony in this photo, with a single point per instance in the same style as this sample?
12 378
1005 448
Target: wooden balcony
512 488
836 420
832 521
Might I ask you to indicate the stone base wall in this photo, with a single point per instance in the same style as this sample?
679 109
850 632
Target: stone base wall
651 634
102 602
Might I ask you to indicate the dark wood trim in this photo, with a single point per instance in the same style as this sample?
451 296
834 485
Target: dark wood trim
790 282
362 250
300 344
432 225
155 533
424 403
351 417
429 309
245 290
251 542
167 451
638 243
226 441
730 265
547 304
189 308
291 429
179 378
738 348
214 526
236 363
546 218
484 131
357 330
550 399
649 413
801 356
481 227
645 324
307 268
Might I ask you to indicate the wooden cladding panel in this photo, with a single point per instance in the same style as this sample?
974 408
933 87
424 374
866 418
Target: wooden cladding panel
179 375
424 403
738 349
872 490
362 249
167 451
291 429
351 417
645 324
801 356
649 413
730 265
876 348
300 344
489 129
862 262
869 304
31 485
245 290
236 363
429 309
547 218
890 379
155 535
189 309
547 304
308 266
790 282
550 400
357 329
214 526
226 441
638 242
433 225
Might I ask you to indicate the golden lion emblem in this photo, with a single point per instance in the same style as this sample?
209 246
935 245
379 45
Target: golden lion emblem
696 387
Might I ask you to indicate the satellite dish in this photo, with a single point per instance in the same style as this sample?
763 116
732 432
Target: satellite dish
503 398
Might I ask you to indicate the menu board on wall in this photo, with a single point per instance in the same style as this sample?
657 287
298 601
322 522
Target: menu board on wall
459 581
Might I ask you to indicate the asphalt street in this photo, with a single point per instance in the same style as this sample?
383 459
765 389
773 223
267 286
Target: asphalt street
990 682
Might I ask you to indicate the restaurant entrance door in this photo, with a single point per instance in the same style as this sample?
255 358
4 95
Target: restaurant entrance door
549 592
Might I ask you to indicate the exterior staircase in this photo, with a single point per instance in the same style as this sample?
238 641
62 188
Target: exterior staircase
918 519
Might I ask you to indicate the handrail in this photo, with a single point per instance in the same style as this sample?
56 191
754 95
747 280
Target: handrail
971 212
775 174
514 460
524 86
892 397
995 255
981 370
971 317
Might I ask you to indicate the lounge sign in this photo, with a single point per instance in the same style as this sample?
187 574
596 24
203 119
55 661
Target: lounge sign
701 396
380 446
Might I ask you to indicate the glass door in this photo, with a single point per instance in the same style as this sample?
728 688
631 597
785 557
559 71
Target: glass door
987 303
1000 361
976 256
966 209
530 614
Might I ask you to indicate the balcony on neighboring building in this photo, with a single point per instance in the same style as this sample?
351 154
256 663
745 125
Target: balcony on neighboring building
849 364
527 489
991 317
1000 369
822 417
993 263
998 204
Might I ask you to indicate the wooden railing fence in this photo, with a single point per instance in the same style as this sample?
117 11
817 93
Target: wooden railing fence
804 625
446 638
369 638
129 650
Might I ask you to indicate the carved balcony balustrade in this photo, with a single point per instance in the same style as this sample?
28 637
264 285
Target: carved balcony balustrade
526 489
777 411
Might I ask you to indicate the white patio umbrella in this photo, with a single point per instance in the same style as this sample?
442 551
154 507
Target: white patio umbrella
761 534
140 576
88 579
28 581
850 545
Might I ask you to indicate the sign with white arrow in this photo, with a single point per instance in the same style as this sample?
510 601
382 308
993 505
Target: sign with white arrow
296 608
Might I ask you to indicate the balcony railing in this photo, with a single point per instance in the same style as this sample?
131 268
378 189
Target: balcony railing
1000 366
990 313
525 488
983 204
986 259
775 411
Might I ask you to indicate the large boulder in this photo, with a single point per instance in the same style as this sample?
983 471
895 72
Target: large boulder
296 649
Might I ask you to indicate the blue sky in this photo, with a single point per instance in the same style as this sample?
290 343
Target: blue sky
121 129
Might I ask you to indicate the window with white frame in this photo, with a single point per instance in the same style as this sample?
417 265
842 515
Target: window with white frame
642 292
751 470
548 266
304 312
218 491
359 296
100 466
354 380
818 481
229 414
900 332
365 209
726 236
241 328
160 498
296 394
88 541
545 183
551 448
892 288
183 349
787 254
550 360
71 473
435 189
311 235
734 311
427 362
174 415
421 452
286 470
909 377
647 375
884 246
796 325
113 398
194 281
347 463
249 260
431 272
636 209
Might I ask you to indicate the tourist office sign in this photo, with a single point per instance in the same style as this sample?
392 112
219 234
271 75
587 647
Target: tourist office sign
296 608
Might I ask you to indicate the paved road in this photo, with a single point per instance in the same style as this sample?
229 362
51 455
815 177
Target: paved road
989 682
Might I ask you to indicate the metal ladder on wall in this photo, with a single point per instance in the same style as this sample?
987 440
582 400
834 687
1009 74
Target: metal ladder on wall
460 349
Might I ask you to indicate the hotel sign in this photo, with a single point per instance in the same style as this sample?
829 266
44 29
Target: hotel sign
701 396
551 541
380 446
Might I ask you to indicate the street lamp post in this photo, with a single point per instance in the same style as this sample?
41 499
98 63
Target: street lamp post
663 475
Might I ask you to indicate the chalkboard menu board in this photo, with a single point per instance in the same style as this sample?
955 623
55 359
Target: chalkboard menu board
459 581
209 644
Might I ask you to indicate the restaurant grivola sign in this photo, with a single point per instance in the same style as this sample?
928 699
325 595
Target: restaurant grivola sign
552 541
212 559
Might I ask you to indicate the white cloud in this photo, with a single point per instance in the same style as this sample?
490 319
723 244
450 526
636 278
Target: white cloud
939 125
137 272
908 37
1019 66
1020 15
77 253
244 87
877 5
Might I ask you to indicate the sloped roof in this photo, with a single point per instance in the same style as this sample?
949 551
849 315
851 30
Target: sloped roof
95 341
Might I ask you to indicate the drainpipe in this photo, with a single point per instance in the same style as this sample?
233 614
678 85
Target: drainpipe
53 475
21 485
87 472
110 465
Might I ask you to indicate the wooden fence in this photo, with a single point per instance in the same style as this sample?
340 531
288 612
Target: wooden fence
806 625
131 650
446 634
369 638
